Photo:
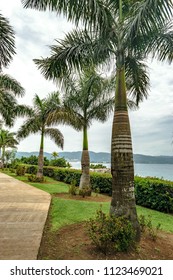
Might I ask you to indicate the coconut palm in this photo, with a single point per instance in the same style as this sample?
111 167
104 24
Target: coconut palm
88 97
38 123
7 43
7 140
122 33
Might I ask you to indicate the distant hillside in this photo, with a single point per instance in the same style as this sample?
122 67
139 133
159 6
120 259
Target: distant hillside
104 157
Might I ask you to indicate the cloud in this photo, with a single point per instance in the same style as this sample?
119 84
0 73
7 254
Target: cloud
152 124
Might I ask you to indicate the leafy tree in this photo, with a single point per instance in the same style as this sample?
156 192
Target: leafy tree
123 33
38 123
7 140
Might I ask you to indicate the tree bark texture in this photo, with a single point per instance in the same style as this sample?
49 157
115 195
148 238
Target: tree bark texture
41 158
122 166
85 163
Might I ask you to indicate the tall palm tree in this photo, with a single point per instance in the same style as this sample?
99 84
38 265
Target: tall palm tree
124 33
88 97
38 123
7 43
7 140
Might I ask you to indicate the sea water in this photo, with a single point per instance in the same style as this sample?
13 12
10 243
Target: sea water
164 171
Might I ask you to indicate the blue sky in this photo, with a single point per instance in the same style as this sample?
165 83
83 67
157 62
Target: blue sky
151 125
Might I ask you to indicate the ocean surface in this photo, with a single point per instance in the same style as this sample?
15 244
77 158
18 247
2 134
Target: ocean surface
164 171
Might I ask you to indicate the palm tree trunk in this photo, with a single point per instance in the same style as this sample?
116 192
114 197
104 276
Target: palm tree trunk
122 167
3 156
41 157
85 162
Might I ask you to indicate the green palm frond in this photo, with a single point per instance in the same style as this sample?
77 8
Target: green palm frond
7 42
137 80
8 83
95 13
30 126
148 14
22 111
161 46
55 135
78 49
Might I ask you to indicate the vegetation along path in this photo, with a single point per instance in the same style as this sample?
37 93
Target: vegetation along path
23 212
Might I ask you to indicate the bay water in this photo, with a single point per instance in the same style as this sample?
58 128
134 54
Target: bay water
164 171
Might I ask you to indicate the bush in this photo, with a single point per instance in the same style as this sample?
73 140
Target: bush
111 234
73 190
154 193
97 166
32 169
59 162
147 227
20 170
85 191
35 179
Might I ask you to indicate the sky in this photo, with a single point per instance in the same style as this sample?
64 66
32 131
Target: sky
151 124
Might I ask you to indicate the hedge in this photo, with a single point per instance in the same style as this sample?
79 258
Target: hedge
153 193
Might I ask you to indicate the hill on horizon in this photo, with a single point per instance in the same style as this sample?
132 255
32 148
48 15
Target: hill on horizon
103 157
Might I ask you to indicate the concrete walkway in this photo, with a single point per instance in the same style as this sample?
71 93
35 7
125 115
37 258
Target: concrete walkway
23 212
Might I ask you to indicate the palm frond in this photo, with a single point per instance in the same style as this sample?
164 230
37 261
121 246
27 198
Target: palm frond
8 83
7 42
55 135
95 13
148 14
22 111
65 116
30 126
161 46
78 49
137 80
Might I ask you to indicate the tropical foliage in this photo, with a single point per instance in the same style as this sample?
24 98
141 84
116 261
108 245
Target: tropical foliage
123 33
7 42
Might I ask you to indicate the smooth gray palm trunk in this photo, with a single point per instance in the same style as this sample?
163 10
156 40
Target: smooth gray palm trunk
40 158
85 177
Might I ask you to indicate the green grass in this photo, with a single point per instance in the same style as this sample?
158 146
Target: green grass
65 212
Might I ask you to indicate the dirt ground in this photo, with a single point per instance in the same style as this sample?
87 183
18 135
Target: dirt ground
72 243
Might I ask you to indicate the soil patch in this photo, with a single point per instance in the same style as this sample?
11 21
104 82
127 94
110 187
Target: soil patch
94 197
73 243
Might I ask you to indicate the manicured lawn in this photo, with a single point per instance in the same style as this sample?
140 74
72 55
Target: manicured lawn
68 211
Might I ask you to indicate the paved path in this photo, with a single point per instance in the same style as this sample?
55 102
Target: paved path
23 212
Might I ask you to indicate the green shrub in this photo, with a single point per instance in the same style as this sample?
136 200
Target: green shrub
111 233
20 170
147 227
32 169
150 192
34 178
73 190
97 166
154 193
85 191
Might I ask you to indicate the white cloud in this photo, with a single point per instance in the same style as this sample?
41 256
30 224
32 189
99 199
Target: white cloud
152 126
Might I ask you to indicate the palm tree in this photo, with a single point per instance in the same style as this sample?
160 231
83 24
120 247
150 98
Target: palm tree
7 43
88 97
123 33
7 140
38 123
9 107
